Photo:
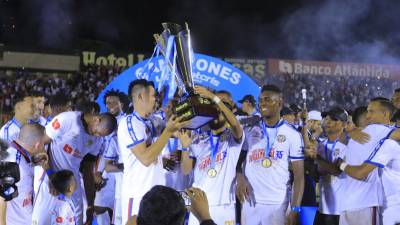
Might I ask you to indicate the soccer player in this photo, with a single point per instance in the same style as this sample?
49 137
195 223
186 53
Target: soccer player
23 109
141 147
24 150
108 199
216 153
359 199
116 102
58 103
73 136
386 158
273 147
38 107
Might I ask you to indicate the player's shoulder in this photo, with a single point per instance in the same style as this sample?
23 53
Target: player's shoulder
391 144
290 129
68 116
8 125
377 128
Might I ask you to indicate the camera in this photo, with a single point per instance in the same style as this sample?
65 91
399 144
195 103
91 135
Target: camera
9 176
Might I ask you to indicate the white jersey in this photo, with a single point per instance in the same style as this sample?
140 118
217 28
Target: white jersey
328 184
271 184
42 121
362 193
10 131
220 153
63 212
387 157
19 209
175 178
70 142
138 178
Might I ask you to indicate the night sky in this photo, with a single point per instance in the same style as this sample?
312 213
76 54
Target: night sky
354 30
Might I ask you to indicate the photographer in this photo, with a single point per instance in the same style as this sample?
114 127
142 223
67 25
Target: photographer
27 151
165 206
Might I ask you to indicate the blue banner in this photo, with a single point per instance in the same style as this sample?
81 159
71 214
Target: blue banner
207 71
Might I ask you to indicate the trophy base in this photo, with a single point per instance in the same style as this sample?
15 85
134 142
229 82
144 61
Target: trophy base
197 109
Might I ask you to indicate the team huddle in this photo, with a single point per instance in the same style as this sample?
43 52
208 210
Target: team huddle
79 164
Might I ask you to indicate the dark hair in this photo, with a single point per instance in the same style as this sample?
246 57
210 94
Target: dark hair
161 206
61 180
59 100
142 82
224 92
108 122
19 98
88 107
123 98
337 114
358 112
397 90
385 103
271 88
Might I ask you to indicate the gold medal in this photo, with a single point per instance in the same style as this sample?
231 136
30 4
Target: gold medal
266 163
212 173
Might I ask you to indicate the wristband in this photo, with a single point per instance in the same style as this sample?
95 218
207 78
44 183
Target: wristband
343 166
296 209
216 99
184 149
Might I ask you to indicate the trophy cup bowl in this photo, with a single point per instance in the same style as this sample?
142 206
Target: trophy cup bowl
191 106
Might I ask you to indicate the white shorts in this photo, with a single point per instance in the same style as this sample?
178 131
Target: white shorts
117 212
105 197
130 207
365 216
391 215
263 214
224 215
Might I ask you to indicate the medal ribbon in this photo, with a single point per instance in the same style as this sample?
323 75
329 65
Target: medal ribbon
269 143
22 151
214 149
329 156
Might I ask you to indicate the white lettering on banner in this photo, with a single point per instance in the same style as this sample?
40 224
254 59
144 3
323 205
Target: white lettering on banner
111 59
201 65
363 70
285 67
307 69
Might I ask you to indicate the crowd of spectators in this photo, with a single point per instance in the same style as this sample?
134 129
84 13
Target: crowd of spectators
81 86
323 92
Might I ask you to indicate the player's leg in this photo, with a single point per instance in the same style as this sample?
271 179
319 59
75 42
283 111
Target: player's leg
224 214
250 214
361 216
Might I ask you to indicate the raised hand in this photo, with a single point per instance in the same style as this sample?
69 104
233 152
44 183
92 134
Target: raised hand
204 92
176 123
